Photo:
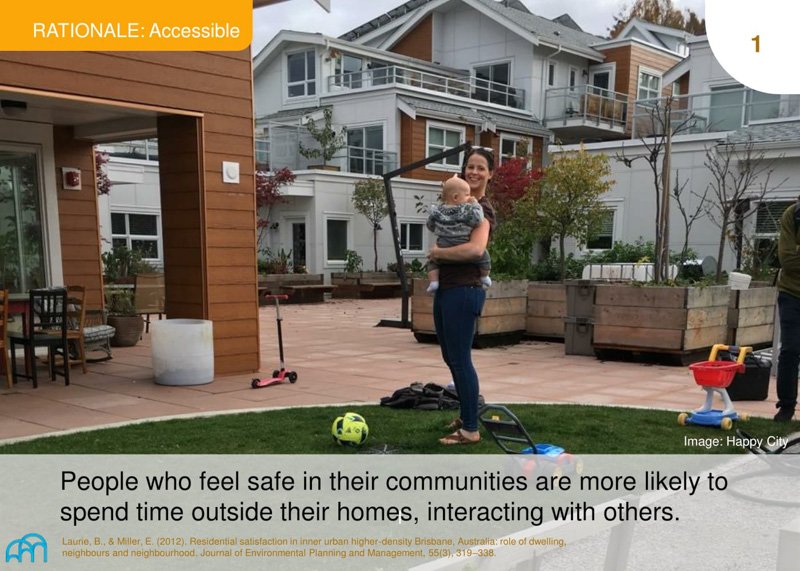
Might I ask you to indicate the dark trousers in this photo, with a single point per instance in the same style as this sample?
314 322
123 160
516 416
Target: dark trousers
789 358
455 313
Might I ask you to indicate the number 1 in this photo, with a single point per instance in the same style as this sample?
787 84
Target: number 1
757 40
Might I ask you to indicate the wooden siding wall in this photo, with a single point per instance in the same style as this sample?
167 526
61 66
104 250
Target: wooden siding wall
182 215
77 217
628 59
418 43
219 86
413 146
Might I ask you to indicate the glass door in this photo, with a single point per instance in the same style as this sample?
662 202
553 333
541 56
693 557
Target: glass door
22 262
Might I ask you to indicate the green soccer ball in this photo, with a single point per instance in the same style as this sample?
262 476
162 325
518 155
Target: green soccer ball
350 429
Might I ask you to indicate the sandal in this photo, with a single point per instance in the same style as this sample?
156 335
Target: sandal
455 424
458 438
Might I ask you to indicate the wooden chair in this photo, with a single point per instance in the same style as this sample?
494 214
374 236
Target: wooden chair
5 360
47 327
148 298
76 322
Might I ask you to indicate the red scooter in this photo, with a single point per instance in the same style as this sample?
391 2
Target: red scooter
282 374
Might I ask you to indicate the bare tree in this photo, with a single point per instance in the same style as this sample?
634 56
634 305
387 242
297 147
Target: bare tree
689 218
740 176
662 120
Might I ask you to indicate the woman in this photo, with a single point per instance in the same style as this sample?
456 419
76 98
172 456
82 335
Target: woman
459 300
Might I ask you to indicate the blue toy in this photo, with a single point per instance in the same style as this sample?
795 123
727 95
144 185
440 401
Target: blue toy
715 376
507 430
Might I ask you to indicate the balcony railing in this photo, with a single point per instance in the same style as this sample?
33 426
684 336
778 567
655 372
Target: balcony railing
350 159
467 87
712 112
587 103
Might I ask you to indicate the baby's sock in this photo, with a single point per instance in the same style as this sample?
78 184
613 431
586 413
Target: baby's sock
487 281
433 287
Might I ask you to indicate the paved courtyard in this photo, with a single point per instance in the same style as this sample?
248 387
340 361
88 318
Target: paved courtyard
341 357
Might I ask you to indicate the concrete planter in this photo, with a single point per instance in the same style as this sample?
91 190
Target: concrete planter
502 321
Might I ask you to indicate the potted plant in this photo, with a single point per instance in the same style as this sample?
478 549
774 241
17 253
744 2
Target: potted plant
328 139
123 318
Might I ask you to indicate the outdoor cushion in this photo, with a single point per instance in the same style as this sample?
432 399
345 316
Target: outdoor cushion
98 333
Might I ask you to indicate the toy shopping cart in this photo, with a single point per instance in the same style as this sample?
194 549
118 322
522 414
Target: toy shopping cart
715 376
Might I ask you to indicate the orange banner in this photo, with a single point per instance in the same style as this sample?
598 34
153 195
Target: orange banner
147 25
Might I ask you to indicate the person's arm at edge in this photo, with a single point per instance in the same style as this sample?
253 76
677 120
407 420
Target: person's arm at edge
787 245
468 251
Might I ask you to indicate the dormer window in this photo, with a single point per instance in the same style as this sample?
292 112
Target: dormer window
301 74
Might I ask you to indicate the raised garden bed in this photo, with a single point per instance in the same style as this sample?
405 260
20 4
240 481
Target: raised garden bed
366 285
751 317
502 321
685 321
301 288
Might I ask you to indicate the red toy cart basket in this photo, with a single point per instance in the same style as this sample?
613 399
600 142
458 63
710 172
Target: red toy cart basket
719 374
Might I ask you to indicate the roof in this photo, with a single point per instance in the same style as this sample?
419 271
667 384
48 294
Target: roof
651 32
493 120
271 50
767 134
546 31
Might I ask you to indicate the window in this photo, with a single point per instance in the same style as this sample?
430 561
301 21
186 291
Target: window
351 67
336 240
365 150
492 81
441 138
137 232
22 234
765 235
604 239
301 74
762 106
551 74
768 217
512 147
411 236
727 107
649 85
573 77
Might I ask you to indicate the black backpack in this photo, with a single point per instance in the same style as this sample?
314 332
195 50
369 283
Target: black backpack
428 396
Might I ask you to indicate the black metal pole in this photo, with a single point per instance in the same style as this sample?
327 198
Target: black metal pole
387 183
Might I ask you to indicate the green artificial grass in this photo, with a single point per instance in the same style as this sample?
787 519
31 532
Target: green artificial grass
578 429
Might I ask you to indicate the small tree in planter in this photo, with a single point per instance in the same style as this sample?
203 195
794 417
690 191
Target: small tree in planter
369 199
330 140
568 201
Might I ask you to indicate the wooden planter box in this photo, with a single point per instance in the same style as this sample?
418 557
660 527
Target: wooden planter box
366 285
547 307
311 287
502 321
751 316
660 319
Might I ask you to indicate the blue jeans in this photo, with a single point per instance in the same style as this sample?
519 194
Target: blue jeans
789 359
455 314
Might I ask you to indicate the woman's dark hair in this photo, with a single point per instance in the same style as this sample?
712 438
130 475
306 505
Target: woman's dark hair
487 154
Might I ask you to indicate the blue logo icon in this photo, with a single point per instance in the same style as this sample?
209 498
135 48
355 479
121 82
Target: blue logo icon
26 545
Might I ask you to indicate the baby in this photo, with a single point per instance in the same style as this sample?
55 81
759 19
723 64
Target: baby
452 222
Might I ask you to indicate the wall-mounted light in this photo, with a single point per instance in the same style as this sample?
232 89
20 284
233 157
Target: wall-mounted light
13 108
